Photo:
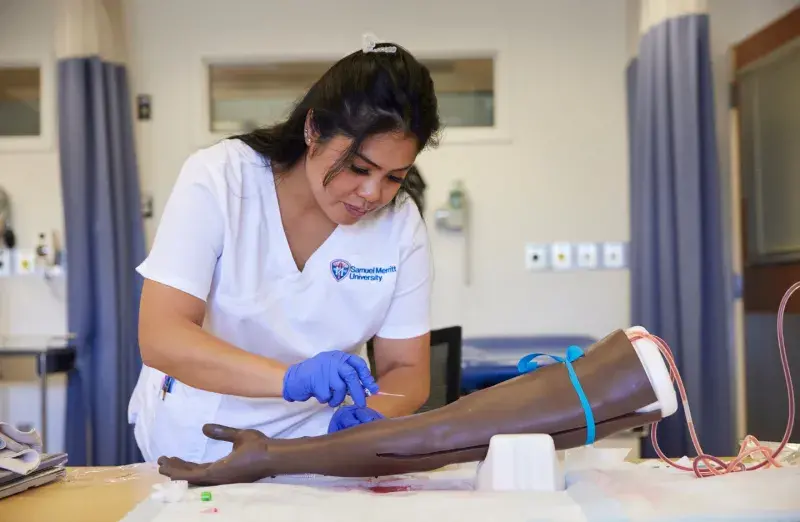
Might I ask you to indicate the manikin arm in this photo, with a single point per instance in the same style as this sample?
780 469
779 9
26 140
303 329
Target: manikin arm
611 375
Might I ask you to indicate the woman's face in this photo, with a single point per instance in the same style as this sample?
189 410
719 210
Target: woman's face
365 185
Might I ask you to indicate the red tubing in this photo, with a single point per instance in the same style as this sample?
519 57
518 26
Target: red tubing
714 465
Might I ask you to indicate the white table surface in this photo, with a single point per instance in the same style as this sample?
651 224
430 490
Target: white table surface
35 343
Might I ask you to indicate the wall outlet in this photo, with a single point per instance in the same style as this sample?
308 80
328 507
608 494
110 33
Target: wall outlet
587 256
536 257
614 255
5 262
25 261
561 256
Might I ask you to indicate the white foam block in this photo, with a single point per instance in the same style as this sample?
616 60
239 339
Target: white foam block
657 372
520 463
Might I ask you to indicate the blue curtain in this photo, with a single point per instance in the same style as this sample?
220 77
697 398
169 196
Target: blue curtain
104 242
679 268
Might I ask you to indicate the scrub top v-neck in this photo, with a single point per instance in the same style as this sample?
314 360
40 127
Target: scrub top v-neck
283 252
221 239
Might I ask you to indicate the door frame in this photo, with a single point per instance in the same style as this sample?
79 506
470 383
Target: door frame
743 54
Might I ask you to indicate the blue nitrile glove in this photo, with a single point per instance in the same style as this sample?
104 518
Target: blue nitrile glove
349 416
329 377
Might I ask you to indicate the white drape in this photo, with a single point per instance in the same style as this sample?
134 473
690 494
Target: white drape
91 28
653 12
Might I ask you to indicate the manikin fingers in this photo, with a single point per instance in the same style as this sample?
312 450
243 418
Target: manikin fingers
220 432
178 469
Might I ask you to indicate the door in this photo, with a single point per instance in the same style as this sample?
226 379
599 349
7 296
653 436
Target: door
765 147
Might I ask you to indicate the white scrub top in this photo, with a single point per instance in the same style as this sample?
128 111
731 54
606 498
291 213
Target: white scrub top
221 240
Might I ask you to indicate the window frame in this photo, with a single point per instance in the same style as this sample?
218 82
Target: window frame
499 133
45 141
758 253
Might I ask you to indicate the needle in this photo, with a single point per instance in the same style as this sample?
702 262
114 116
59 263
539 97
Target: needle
385 394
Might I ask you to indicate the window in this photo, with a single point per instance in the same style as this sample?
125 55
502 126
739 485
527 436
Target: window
20 102
770 126
245 96
465 91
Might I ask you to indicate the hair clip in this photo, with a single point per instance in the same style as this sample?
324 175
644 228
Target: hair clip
369 41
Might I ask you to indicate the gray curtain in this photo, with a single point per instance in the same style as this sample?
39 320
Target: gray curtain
104 243
680 276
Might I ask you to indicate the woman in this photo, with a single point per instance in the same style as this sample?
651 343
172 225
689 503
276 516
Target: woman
279 254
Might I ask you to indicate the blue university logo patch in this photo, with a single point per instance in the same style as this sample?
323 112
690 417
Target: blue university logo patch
339 269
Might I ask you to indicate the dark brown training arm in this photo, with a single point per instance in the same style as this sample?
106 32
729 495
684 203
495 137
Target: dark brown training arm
543 401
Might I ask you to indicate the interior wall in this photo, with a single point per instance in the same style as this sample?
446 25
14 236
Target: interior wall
29 305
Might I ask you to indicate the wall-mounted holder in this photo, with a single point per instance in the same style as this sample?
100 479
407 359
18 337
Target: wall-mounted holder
49 258
7 238
453 216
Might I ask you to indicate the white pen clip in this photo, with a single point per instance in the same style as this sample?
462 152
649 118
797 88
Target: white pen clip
369 41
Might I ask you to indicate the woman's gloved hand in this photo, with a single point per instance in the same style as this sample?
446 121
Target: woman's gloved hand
329 377
349 416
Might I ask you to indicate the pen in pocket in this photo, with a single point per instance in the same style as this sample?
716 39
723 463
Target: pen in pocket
166 386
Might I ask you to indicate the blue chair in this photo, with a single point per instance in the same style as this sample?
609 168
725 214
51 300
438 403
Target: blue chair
487 361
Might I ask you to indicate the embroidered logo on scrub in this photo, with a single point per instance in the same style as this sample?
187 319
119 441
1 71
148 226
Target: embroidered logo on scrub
341 269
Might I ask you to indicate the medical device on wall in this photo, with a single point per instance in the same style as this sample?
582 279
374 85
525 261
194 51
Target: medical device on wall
44 259
453 216
7 236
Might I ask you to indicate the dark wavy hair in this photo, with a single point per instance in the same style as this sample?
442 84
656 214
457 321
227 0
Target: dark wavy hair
361 95
415 187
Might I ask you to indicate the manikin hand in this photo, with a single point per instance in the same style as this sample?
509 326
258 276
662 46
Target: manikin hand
241 465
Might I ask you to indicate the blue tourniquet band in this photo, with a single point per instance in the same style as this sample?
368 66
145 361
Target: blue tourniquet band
527 364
